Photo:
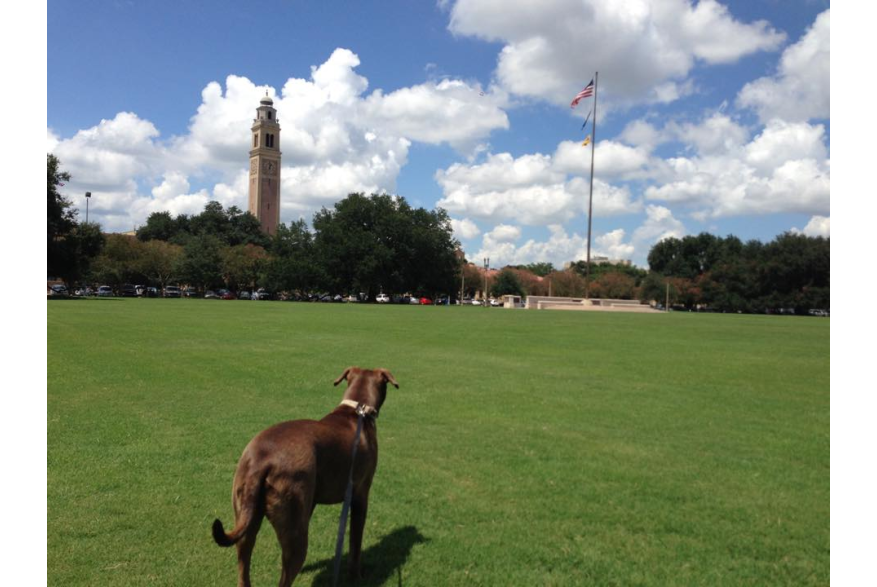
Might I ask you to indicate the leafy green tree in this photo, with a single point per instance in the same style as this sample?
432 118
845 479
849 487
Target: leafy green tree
507 283
614 285
70 246
159 261
293 265
242 265
541 269
378 242
119 261
159 226
201 262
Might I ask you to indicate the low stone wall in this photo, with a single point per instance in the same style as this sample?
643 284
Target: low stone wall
588 305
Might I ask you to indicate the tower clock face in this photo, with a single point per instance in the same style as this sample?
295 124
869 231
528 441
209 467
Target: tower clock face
253 167
269 167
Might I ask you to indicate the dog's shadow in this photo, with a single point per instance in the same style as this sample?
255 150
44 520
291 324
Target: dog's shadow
379 562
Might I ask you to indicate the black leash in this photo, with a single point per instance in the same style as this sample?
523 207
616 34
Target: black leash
348 495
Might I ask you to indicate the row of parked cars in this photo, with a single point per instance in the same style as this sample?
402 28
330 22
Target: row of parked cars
173 291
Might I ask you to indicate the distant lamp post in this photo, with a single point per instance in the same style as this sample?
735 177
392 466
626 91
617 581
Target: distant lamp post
486 269
87 198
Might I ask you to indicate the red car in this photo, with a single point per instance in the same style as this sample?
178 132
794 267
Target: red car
425 302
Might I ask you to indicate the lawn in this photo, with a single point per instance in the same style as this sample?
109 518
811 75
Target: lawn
522 448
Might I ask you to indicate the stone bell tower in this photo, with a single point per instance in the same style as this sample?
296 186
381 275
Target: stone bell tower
265 167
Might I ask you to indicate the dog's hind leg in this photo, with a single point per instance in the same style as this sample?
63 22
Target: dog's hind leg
291 522
245 552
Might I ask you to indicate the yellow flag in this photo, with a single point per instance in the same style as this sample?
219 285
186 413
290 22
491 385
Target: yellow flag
587 141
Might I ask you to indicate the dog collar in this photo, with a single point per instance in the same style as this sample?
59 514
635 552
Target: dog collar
361 409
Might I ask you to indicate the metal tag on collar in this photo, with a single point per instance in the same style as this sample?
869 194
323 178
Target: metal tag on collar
366 411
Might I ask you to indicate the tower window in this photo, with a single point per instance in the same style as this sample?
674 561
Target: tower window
269 140
269 116
255 141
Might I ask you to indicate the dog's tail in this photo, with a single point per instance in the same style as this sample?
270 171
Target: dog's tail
223 539
249 512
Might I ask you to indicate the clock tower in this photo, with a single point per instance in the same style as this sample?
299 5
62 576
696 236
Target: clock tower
265 167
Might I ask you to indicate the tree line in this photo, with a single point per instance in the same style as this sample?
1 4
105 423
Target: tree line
364 244
379 243
790 273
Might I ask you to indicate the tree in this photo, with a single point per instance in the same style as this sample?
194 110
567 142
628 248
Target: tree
378 242
60 217
566 284
159 261
614 285
242 265
507 283
119 261
231 226
159 226
792 271
77 252
201 262
293 265
541 269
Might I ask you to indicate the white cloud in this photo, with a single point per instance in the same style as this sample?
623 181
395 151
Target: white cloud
801 88
785 168
818 226
640 133
503 233
449 111
716 134
561 247
334 138
659 224
464 229
781 141
612 245
108 156
535 189
611 158
644 48
51 140
173 196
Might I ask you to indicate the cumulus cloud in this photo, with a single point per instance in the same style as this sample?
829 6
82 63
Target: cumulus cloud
172 195
561 247
645 49
450 111
110 155
818 226
335 140
785 168
536 189
464 229
51 140
801 88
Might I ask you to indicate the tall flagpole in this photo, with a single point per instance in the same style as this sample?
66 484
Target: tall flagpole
591 194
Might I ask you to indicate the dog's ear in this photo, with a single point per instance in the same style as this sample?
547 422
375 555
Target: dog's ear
343 376
388 377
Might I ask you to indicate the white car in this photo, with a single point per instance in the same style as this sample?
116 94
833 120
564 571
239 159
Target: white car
382 298
476 302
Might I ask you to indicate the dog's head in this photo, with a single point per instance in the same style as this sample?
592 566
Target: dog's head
368 386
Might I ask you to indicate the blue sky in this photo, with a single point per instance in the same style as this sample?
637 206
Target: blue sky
711 117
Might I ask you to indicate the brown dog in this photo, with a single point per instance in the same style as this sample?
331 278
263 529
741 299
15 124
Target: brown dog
286 470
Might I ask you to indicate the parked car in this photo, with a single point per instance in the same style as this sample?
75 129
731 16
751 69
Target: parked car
172 291
262 294
128 291
57 291
105 291
476 302
227 295
495 303
84 291
190 292
243 295
210 295
382 298
425 302
151 292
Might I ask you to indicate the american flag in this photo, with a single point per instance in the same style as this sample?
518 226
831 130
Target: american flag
586 93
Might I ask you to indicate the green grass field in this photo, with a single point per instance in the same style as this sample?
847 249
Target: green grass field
523 448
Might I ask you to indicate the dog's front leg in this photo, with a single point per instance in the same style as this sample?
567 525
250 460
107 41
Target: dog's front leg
358 511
